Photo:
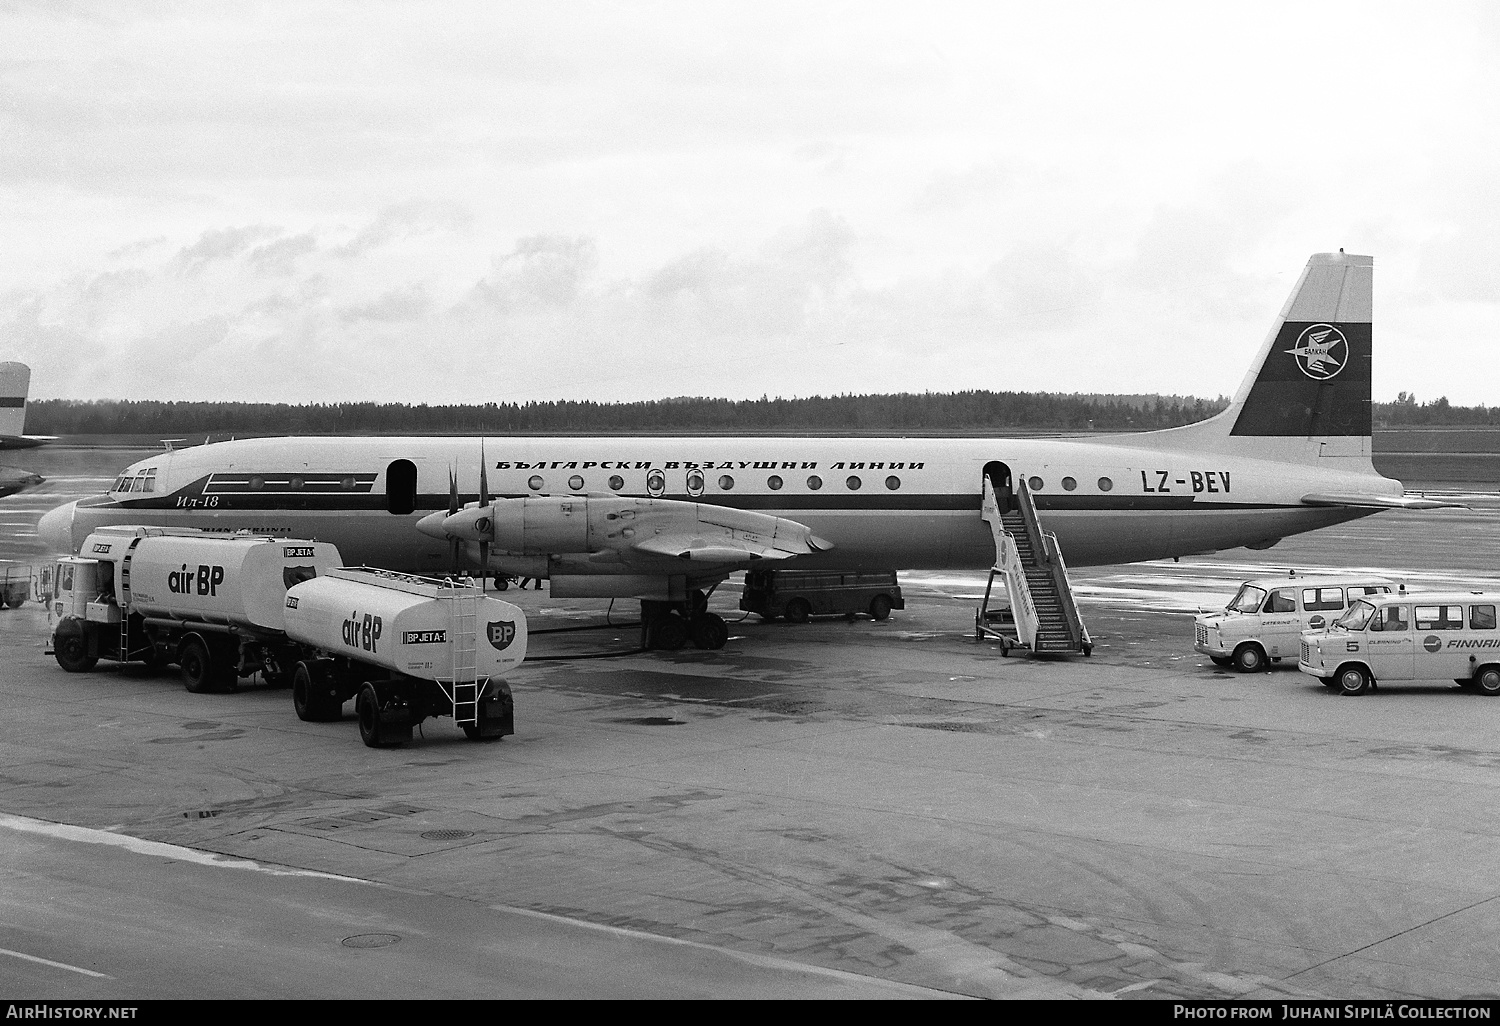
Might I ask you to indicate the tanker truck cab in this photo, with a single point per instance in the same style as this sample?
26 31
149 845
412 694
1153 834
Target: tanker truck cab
1263 621
1409 637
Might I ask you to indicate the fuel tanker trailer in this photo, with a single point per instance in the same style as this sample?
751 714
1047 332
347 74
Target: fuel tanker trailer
405 648
208 601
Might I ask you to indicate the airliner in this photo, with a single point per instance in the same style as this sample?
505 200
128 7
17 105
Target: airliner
665 519
15 382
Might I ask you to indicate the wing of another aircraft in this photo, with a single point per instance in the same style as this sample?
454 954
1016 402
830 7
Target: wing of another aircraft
1357 500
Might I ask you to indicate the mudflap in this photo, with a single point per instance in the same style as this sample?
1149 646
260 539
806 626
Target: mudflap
497 711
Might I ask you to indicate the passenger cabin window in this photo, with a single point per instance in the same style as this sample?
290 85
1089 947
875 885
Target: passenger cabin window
1391 618
1439 618
1355 590
1282 600
1314 599
1482 618
401 487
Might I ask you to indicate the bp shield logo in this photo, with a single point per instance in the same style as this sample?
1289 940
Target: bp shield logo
1432 643
1321 351
501 633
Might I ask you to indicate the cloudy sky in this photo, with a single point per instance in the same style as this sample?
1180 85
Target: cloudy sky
454 202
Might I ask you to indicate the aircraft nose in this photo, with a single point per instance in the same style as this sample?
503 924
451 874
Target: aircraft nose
55 529
432 526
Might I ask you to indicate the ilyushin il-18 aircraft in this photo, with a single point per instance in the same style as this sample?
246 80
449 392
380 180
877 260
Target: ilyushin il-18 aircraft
665 519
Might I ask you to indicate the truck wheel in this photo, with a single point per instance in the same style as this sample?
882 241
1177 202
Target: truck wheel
197 666
72 654
1249 658
373 732
313 698
1353 680
798 611
880 607
1487 680
16 599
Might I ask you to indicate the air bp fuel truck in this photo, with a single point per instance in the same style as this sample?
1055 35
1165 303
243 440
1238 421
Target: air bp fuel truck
225 606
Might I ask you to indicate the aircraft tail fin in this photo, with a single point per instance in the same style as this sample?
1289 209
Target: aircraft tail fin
1307 396
15 381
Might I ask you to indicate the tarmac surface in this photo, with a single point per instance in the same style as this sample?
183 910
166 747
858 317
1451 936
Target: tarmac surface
831 809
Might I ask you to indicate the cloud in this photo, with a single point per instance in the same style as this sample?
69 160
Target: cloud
221 244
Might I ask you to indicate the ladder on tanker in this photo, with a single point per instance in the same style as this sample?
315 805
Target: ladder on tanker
1042 615
463 686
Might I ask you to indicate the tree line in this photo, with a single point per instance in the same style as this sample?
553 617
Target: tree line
977 411
928 412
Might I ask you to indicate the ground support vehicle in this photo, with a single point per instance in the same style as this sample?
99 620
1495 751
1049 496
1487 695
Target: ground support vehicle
210 602
405 648
801 594
15 584
1408 637
1263 621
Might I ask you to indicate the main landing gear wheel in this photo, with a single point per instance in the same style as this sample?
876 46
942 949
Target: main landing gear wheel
880 607
709 631
798 611
670 633
1249 658
1353 680
1487 680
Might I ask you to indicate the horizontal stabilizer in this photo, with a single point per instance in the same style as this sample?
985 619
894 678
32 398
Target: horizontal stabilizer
1359 500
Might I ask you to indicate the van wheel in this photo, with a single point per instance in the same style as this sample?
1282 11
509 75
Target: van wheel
1221 660
1249 658
798 611
880 607
197 665
1487 680
1353 680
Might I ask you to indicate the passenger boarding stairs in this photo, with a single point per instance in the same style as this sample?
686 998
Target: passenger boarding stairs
1042 616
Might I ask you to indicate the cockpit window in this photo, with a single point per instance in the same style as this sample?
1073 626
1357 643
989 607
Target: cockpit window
1247 600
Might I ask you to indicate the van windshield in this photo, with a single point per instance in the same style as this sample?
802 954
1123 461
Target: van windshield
1247 600
1357 616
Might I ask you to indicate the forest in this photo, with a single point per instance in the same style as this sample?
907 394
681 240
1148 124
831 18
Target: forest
903 413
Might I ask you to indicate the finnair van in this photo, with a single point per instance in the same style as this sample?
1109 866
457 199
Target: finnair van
1265 618
1441 635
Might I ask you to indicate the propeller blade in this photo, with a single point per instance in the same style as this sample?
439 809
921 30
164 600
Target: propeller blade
484 500
453 543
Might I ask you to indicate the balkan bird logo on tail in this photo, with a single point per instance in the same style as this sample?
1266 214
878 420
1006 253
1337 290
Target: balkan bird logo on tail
1321 351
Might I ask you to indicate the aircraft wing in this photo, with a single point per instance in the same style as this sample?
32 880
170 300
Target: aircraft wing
715 549
1370 500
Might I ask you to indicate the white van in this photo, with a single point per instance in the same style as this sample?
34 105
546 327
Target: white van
1440 635
1265 618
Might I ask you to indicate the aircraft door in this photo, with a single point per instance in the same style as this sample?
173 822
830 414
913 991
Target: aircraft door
401 487
999 477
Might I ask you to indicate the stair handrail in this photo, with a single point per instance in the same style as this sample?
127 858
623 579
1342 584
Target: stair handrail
1008 561
1059 570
